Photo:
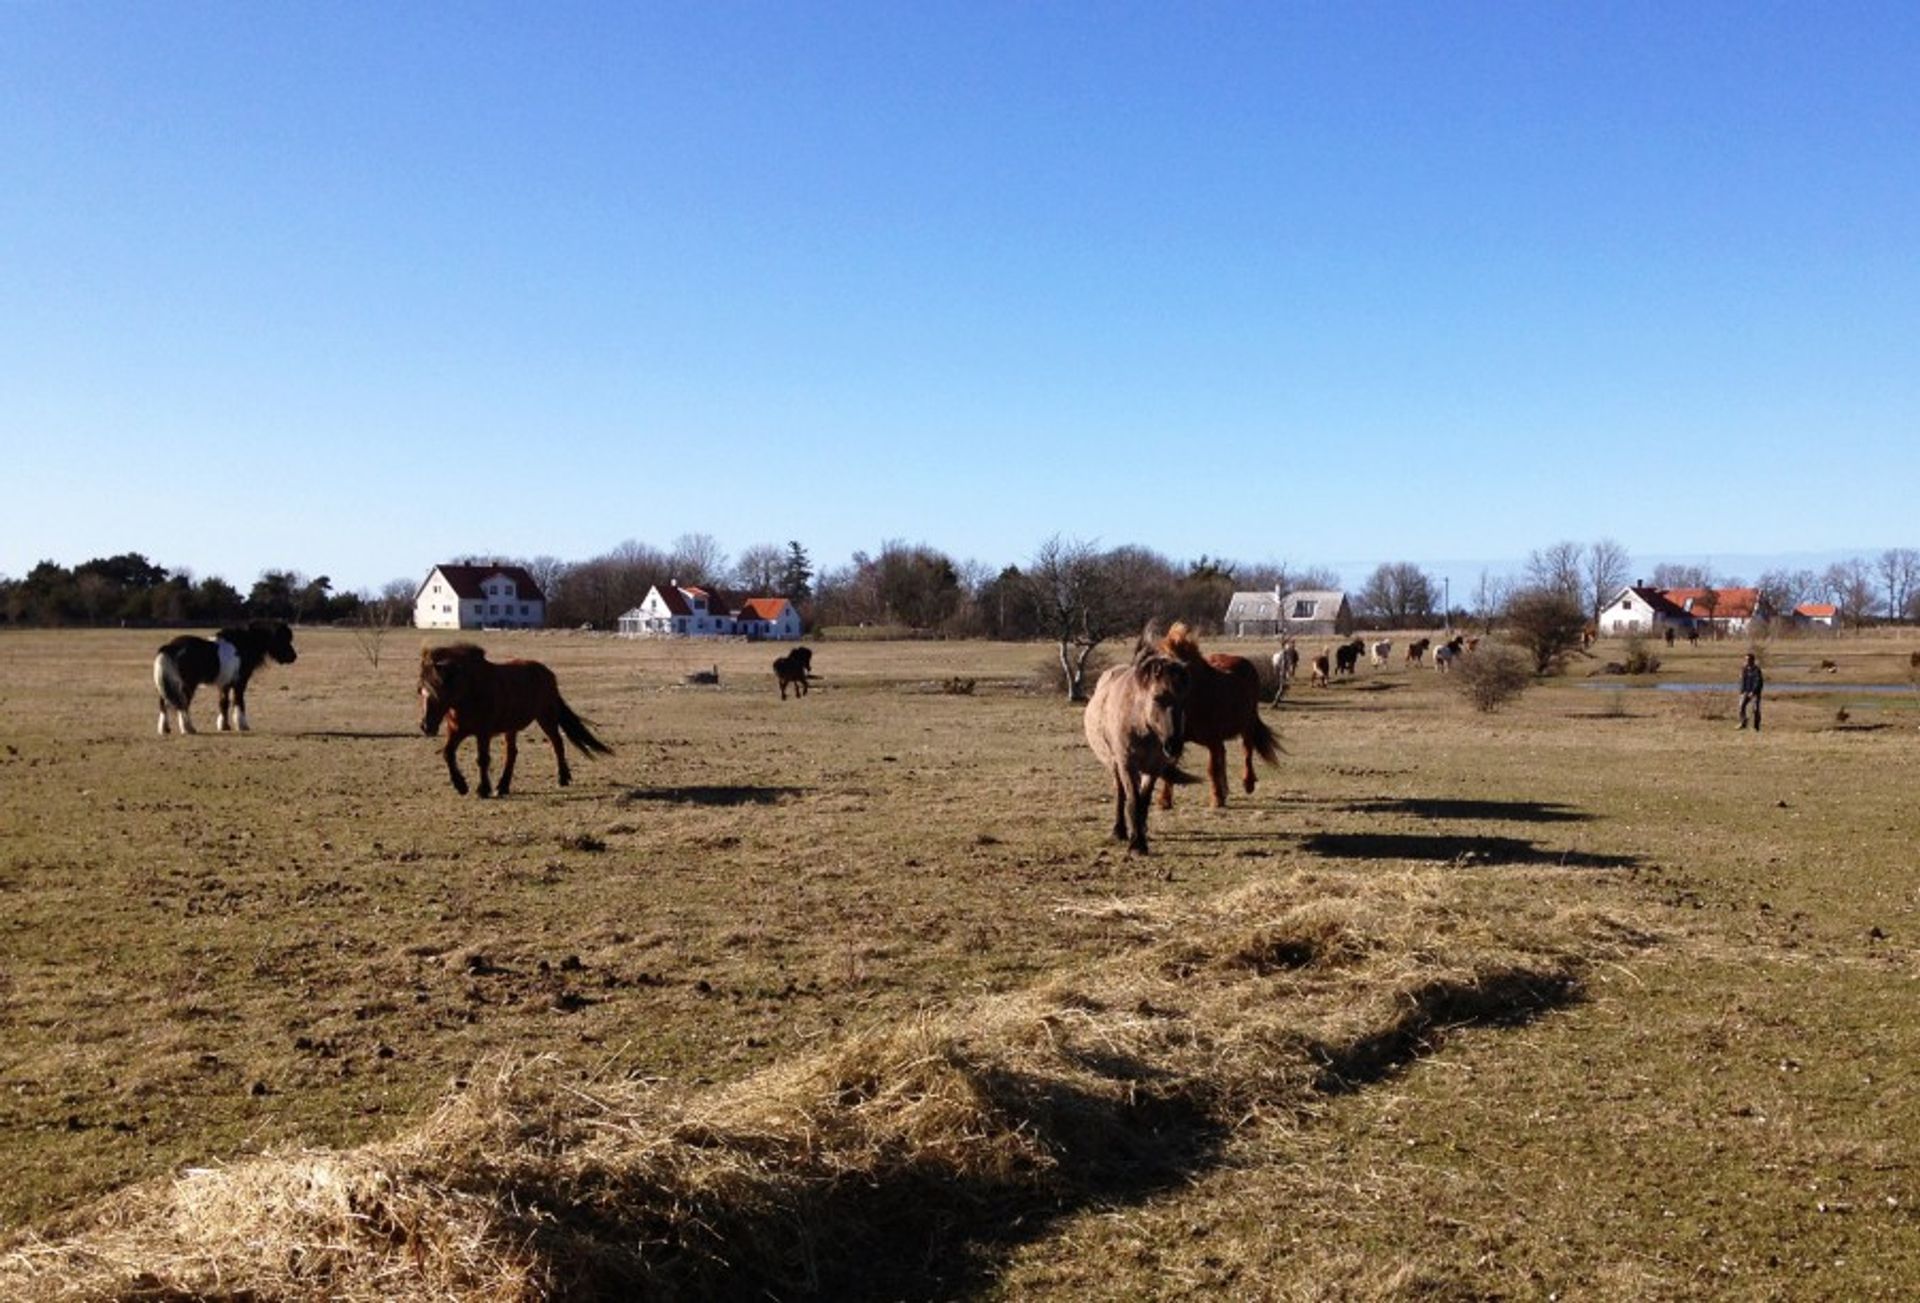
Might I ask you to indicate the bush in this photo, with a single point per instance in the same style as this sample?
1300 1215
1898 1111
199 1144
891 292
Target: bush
1546 625
1492 676
1050 677
1640 658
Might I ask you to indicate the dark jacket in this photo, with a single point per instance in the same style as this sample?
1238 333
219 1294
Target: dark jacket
1751 680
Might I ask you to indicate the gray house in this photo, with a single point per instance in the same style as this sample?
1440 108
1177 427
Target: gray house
1306 613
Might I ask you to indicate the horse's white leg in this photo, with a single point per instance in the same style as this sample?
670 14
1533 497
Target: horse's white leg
240 709
220 724
163 719
186 721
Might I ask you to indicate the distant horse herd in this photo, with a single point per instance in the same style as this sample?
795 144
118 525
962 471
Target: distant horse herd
1139 719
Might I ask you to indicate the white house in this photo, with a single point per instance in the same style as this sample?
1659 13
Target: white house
1719 612
670 611
1640 609
479 597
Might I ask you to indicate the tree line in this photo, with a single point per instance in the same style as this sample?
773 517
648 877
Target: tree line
917 587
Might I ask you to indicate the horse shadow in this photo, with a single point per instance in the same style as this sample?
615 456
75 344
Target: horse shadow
922 1231
355 735
1429 807
1458 851
713 794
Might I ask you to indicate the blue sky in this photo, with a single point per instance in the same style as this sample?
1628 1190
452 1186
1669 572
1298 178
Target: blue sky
354 288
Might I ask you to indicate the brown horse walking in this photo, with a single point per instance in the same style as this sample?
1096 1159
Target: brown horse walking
1224 703
479 698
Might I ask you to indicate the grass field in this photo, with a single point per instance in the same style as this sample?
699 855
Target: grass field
1605 998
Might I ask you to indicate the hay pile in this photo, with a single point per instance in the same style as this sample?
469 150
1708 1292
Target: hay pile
900 1155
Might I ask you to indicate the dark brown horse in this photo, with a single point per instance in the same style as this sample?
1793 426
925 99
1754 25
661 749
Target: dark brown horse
479 698
1224 703
794 668
1136 723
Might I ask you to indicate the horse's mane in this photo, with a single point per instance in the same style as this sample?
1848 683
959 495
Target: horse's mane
454 651
1180 643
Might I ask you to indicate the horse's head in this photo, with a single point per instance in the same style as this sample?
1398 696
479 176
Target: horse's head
280 643
445 678
1163 684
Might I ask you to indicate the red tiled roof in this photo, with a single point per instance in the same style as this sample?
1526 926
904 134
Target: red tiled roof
769 609
1716 603
466 581
1816 610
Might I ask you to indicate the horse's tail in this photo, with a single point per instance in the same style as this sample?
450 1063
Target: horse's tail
578 733
1264 741
166 678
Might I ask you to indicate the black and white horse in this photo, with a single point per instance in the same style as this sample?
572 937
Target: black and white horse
226 661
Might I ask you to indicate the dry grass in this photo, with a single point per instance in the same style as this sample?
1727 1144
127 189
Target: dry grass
850 996
1130 1074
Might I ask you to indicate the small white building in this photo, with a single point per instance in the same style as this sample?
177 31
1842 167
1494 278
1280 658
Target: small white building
673 611
479 597
1817 615
1640 609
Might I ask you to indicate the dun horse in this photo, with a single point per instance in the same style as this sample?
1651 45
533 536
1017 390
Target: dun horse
1224 703
1136 723
187 663
479 698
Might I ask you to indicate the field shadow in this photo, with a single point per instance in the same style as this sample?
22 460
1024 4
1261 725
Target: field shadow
1423 807
924 1231
1462 852
358 735
713 794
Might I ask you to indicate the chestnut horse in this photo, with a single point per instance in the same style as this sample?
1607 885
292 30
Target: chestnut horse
479 698
1224 703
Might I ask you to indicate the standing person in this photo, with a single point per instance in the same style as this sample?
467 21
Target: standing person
1751 683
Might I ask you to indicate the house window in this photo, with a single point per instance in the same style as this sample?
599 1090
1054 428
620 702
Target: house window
1303 609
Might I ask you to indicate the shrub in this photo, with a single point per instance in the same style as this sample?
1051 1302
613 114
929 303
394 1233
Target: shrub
1639 657
1050 676
1545 624
1492 676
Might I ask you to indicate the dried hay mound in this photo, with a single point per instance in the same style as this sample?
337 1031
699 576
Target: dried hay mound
894 1151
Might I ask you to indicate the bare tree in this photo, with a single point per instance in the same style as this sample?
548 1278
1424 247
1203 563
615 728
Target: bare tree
1783 590
759 567
1557 569
1079 595
1682 574
1850 587
1608 568
379 616
697 560
1490 596
549 572
1399 594
1899 569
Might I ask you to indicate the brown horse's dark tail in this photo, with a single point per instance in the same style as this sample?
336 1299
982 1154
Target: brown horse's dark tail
1264 741
578 733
